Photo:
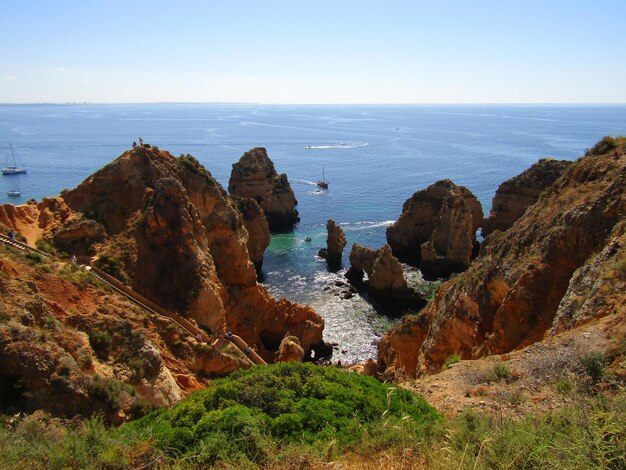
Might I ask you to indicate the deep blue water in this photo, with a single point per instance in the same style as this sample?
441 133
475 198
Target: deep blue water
374 157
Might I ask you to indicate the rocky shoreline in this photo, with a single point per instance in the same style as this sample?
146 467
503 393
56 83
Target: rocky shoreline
165 227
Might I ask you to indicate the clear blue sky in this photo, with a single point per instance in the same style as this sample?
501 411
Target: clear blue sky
294 51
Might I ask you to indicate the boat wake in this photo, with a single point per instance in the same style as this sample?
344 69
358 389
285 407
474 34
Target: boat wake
366 225
337 146
310 183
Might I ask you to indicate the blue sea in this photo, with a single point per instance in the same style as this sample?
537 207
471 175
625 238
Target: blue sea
374 158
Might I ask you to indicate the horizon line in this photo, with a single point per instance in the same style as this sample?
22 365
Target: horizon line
253 103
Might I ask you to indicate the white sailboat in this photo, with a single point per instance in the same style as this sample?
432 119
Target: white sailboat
15 192
12 169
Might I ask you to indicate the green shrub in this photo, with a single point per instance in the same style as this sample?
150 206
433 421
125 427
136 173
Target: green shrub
594 364
113 266
281 403
502 371
194 166
35 257
109 391
43 245
452 359
101 342
605 145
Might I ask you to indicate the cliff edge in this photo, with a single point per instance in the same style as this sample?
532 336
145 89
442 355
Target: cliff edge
562 263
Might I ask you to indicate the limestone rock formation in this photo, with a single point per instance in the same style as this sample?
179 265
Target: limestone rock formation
176 237
385 275
254 176
69 347
36 220
437 229
79 237
290 350
335 243
258 231
547 273
517 194
597 288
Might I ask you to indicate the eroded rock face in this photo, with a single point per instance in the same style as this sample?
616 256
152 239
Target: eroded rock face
290 350
176 237
254 176
546 273
35 221
258 231
335 243
517 194
79 237
598 288
384 272
437 229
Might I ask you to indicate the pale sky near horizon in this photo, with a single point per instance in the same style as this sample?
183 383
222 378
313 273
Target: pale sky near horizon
341 51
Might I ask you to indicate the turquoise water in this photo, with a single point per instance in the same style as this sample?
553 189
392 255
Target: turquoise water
374 157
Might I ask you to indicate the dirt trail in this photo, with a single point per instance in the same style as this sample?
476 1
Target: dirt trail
534 372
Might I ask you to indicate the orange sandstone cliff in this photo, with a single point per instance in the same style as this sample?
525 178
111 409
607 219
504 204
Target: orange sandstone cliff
437 229
176 237
561 264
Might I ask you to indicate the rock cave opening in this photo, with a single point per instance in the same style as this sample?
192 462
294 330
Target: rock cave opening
271 339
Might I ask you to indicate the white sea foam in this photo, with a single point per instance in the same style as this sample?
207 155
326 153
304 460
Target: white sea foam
338 146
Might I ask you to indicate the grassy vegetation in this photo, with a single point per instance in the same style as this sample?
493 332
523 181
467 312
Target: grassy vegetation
605 145
452 359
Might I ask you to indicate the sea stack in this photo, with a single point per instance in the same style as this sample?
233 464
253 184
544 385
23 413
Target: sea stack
437 229
385 275
335 243
254 176
517 194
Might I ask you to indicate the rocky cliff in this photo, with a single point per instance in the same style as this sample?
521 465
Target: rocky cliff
386 279
34 220
437 229
254 176
551 270
176 237
258 230
68 346
517 194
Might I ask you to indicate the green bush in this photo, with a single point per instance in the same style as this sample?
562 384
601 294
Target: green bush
594 363
35 257
251 411
101 342
452 359
43 245
108 391
500 372
605 145
113 266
